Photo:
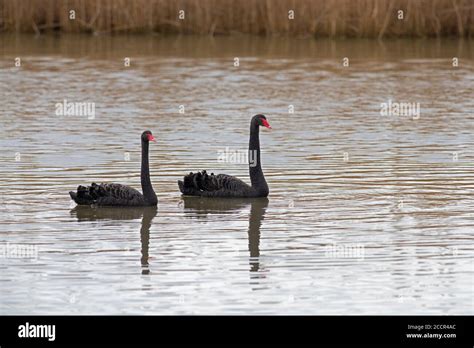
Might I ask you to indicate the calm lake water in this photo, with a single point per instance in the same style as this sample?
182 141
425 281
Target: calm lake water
367 214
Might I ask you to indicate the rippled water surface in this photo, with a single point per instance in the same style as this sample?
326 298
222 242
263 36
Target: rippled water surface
367 214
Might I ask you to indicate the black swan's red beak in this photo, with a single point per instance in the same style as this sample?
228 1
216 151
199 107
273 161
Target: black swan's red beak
266 124
151 138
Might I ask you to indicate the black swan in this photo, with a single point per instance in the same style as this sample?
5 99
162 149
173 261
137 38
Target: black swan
117 194
222 185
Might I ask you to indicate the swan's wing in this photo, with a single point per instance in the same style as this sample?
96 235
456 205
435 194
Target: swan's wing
222 185
106 194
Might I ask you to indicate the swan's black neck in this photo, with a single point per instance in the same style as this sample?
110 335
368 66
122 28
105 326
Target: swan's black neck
255 165
148 192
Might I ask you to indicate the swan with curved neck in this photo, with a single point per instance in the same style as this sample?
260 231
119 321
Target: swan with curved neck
108 194
223 185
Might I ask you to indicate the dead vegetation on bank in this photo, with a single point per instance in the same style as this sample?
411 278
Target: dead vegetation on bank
325 18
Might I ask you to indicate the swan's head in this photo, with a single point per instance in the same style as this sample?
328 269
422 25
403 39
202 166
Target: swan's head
261 120
147 136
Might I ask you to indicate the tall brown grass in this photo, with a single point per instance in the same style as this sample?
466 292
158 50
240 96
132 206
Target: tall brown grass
352 18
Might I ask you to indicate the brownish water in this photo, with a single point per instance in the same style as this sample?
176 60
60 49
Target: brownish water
367 214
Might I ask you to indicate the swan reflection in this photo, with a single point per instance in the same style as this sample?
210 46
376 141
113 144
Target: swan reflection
86 213
204 206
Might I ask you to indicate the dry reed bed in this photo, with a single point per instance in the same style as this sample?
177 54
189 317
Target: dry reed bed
330 18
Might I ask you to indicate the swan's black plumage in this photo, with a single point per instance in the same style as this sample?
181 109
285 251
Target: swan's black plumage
223 185
107 195
117 194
